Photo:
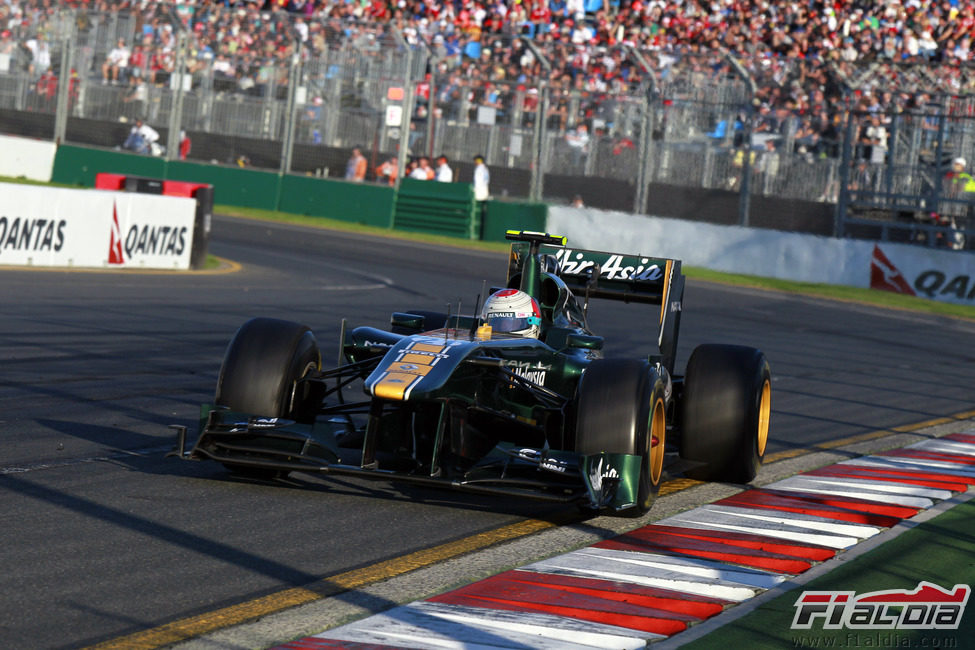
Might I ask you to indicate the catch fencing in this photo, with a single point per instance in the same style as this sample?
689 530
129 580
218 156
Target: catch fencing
631 116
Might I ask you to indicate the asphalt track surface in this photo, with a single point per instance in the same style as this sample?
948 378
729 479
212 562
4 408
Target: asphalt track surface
105 538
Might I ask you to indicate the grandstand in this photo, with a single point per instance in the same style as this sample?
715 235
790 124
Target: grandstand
838 118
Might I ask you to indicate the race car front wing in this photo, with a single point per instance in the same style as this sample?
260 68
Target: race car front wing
235 439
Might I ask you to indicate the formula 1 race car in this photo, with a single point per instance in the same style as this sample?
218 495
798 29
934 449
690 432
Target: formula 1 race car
457 401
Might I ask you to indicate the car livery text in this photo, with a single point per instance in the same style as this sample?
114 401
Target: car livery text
575 263
533 372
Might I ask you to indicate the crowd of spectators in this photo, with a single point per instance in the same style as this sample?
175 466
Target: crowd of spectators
801 53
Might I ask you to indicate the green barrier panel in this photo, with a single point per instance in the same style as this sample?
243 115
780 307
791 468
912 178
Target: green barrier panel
79 165
422 206
235 186
246 188
437 208
500 216
338 199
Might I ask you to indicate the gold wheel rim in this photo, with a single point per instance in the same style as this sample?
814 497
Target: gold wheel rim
658 431
764 409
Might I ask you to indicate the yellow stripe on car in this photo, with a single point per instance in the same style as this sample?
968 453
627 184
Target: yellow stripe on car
415 362
426 347
394 385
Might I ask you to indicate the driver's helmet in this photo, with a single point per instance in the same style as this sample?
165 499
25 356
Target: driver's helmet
511 311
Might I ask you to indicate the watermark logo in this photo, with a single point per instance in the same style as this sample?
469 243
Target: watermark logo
927 607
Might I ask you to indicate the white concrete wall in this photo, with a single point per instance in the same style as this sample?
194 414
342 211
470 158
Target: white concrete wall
27 158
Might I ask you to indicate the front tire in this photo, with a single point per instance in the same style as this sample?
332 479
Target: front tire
263 362
621 409
260 371
725 411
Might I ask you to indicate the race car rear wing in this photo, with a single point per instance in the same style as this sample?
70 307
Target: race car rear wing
612 276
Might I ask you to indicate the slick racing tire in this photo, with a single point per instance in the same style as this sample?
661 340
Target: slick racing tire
260 369
261 366
621 409
724 412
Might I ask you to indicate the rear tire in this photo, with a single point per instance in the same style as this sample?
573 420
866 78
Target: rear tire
621 409
260 369
725 412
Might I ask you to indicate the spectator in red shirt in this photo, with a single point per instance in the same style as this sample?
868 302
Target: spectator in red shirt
185 144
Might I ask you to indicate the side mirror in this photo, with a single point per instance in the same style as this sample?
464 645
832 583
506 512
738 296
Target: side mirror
584 342
407 321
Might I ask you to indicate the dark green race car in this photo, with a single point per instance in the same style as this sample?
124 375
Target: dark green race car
446 402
